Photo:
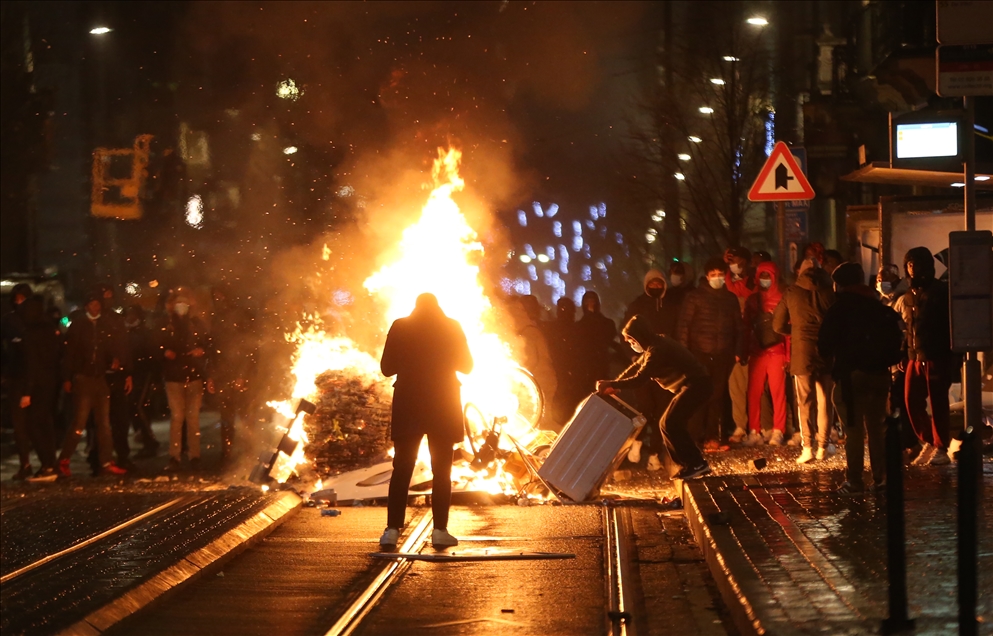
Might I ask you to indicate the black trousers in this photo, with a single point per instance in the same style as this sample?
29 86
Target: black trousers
120 416
674 424
404 459
711 421
34 426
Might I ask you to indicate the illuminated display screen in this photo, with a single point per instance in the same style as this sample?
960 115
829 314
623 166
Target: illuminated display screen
935 139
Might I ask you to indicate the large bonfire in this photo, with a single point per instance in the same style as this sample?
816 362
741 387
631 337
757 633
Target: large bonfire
439 253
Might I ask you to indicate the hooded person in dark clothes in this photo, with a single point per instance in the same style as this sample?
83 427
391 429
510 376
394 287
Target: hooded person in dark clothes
930 363
799 315
861 338
424 351
37 381
560 335
669 364
651 306
650 399
94 350
710 326
12 331
596 334
145 368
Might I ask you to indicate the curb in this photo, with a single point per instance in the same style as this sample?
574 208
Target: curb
728 564
198 563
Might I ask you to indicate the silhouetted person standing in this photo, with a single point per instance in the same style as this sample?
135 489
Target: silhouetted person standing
424 351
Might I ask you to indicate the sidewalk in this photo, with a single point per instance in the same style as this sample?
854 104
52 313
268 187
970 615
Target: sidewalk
792 557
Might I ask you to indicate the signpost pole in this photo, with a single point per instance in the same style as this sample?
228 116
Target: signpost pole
781 234
969 461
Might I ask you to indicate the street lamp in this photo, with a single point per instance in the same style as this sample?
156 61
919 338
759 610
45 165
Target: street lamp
730 58
757 21
694 139
680 176
717 81
100 30
706 110
683 156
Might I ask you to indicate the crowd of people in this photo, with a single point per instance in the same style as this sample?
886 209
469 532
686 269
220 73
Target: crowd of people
101 374
828 356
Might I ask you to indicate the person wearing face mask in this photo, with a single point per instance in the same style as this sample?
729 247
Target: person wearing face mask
662 316
740 281
669 365
710 326
184 346
93 349
766 352
929 363
888 285
799 315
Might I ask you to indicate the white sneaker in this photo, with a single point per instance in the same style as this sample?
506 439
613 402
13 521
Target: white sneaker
922 457
767 434
826 451
390 538
806 456
776 439
940 458
738 435
754 439
441 539
634 454
653 463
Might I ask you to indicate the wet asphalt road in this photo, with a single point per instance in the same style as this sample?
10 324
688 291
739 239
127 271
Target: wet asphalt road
302 576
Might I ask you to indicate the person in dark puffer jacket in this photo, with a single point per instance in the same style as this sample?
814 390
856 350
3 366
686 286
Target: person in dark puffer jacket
861 337
710 326
929 360
799 315
664 362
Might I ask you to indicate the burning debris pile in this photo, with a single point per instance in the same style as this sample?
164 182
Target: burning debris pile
350 428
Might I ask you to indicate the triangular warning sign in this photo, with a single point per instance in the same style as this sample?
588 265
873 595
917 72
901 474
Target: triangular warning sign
781 178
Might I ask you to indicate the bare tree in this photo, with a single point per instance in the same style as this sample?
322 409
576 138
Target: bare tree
697 137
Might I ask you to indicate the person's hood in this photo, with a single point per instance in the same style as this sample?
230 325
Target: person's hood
813 278
769 268
651 275
640 329
923 263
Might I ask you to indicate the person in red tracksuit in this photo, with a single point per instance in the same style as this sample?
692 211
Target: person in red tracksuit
766 352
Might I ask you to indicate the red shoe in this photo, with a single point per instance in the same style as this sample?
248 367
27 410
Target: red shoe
112 469
64 468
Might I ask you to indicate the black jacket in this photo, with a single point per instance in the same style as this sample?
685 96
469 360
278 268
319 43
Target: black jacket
799 314
664 360
859 333
925 313
182 336
37 355
710 322
95 347
424 351
596 334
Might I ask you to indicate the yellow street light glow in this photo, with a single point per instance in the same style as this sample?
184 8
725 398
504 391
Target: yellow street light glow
716 80
290 150
694 139
680 176
757 21
542 258
100 30
730 58
706 110
683 156
525 258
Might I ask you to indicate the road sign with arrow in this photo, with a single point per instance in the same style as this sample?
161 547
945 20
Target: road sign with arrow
781 178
